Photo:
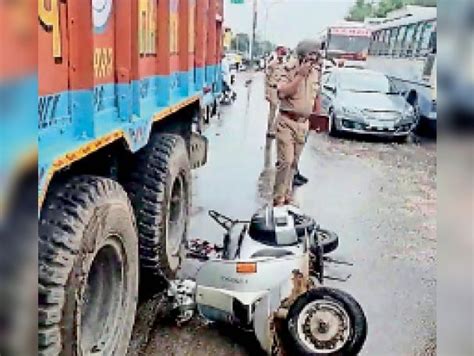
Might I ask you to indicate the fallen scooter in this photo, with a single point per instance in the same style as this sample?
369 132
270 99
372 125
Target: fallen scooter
267 277
228 94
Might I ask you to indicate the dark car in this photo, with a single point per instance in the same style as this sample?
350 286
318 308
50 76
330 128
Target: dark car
366 102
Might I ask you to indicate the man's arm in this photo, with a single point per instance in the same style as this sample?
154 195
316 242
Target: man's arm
268 73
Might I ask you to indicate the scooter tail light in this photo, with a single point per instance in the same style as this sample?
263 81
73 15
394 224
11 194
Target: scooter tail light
246 267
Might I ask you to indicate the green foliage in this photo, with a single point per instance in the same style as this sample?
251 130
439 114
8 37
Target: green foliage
241 43
360 11
363 8
430 3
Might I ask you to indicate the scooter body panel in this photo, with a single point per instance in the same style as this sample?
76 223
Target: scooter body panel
248 299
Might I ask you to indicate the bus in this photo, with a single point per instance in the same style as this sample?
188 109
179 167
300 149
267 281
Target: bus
404 48
346 43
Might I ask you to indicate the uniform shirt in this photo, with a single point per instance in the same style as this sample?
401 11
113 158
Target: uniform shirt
302 102
272 77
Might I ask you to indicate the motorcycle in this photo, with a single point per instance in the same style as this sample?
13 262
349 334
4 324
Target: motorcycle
267 277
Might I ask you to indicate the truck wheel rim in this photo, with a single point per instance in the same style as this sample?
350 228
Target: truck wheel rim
176 222
323 326
104 294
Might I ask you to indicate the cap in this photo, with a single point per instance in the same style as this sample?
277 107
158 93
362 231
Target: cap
306 47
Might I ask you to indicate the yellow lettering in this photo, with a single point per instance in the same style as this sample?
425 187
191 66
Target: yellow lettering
48 11
173 32
192 26
103 62
147 27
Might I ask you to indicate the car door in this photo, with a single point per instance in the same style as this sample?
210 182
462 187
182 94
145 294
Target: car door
327 94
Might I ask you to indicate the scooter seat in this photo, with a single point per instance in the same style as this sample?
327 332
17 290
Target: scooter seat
262 226
272 253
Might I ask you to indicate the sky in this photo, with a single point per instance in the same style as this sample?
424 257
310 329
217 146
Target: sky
289 21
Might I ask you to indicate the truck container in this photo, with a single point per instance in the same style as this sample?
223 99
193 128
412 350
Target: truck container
123 86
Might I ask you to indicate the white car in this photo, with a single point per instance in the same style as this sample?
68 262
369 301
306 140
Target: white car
365 102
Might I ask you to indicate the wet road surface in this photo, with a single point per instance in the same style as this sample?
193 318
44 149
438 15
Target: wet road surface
380 197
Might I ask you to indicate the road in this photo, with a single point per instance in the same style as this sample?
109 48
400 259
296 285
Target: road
379 196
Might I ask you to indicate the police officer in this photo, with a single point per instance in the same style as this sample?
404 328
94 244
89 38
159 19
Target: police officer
297 89
272 76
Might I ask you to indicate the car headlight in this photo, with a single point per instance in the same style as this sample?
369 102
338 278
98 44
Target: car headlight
409 111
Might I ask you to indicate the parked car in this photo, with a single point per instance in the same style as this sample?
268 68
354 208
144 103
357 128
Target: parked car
365 102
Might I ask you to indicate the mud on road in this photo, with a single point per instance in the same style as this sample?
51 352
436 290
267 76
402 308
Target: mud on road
379 196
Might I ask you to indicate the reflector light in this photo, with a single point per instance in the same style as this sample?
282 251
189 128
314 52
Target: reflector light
246 267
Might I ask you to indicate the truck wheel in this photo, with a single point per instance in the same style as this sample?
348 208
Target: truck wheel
326 321
159 186
88 269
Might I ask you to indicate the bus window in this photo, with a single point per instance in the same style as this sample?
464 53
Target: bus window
400 40
425 40
393 41
418 39
410 38
386 42
380 35
433 42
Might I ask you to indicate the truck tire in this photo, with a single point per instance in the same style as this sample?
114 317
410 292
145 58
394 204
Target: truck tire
342 326
88 269
159 185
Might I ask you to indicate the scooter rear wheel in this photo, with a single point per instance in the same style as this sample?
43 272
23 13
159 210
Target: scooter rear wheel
328 240
325 321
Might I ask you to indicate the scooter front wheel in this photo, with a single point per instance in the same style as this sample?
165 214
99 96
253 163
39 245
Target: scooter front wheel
325 321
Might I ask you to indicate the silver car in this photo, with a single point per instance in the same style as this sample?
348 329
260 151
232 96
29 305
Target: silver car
366 102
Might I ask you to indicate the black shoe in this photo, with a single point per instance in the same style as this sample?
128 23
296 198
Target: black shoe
299 180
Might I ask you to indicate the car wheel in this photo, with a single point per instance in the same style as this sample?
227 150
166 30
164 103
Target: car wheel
401 139
333 131
417 125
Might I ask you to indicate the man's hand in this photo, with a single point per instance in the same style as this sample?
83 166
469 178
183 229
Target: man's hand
304 69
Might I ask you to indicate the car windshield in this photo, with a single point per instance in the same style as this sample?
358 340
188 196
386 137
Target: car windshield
365 82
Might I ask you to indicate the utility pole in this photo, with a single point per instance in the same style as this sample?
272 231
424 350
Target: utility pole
254 31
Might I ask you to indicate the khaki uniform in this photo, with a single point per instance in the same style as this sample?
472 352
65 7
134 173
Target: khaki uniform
272 77
292 126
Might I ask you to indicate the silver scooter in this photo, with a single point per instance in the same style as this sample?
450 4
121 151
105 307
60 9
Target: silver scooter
267 277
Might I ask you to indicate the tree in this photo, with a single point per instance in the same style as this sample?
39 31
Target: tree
241 42
428 3
359 11
362 9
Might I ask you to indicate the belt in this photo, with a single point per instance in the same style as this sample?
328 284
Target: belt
292 116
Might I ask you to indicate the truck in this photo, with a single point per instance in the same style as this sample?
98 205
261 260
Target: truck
122 91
